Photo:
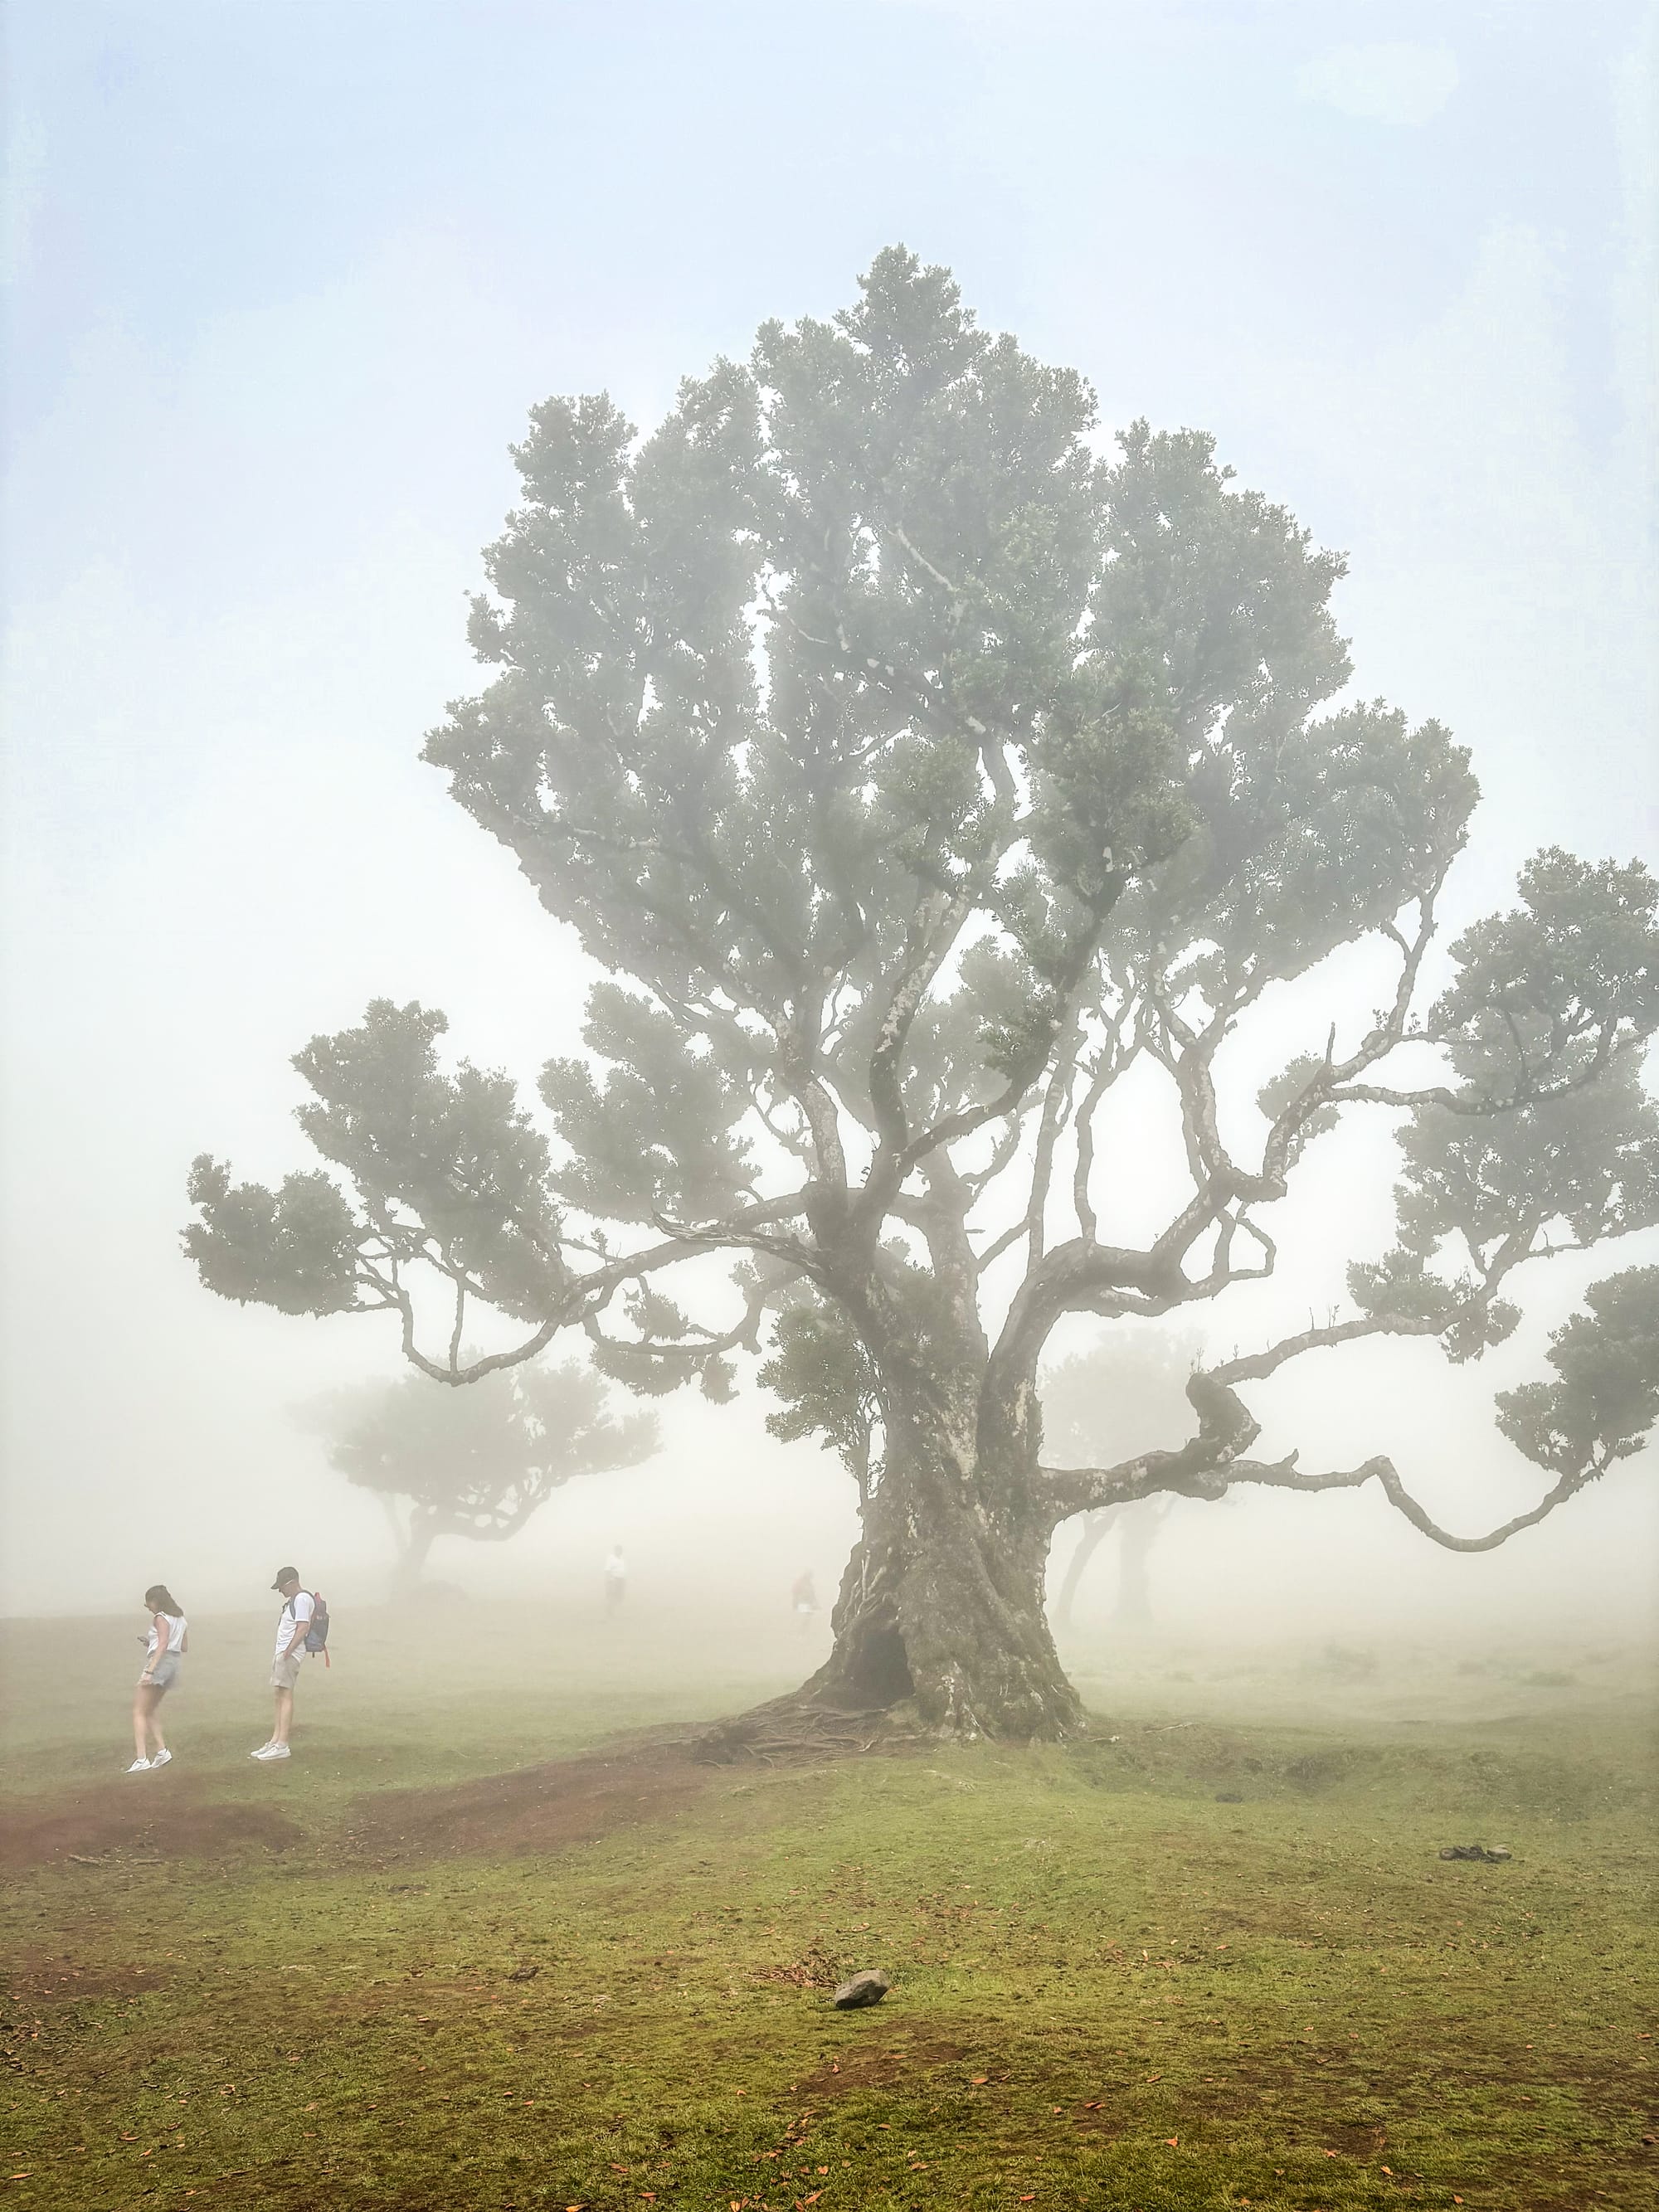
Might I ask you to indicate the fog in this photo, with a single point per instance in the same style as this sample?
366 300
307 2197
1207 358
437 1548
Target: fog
283 287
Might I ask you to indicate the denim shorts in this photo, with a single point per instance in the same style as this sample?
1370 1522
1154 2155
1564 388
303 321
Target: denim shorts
164 1673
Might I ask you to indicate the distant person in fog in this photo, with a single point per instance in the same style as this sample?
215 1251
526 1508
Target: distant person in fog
164 1647
292 1622
615 1579
803 1598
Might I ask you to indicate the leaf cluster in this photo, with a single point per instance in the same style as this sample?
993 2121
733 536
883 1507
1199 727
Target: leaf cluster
1605 1398
480 1461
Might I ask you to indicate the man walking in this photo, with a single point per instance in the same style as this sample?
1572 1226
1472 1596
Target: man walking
292 1622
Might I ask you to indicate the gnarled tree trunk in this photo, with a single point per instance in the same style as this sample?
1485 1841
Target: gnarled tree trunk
415 1543
1096 1530
942 1605
1141 1524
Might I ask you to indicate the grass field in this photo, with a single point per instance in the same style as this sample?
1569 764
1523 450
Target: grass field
1208 1958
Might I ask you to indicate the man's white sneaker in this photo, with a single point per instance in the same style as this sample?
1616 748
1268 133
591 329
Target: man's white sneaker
139 1766
273 1751
162 1758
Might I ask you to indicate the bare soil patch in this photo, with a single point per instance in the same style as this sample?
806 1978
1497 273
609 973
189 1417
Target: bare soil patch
35 1978
880 2069
532 1809
106 1823
1355 2138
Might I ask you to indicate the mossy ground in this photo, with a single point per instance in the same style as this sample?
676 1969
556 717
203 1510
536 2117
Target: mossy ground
1213 1961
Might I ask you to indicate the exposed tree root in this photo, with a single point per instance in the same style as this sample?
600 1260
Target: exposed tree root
789 1729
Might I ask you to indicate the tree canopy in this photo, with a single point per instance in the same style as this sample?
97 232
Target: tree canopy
914 771
477 1462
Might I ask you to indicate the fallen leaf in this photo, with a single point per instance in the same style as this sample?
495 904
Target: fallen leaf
976 2080
1174 2141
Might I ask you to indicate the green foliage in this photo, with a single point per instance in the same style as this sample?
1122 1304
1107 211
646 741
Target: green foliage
456 1153
1306 839
1125 1393
1552 989
1400 1287
657 1136
828 1384
1606 1397
1576 1167
479 1462
295 1248
1585 1162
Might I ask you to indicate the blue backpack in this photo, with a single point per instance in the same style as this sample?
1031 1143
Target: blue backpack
317 1633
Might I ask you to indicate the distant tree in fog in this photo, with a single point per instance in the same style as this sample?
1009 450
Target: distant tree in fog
1122 1395
940 796
479 1462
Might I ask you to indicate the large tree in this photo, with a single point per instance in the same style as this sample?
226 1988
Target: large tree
477 1463
916 775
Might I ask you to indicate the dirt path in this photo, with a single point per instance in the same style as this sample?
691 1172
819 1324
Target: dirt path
103 1820
533 1808
544 1808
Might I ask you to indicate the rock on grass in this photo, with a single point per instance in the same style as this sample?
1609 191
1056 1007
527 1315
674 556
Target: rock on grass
865 1989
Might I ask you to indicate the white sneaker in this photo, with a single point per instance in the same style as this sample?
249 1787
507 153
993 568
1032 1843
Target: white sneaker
162 1758
261 1752
273 1751
139 1766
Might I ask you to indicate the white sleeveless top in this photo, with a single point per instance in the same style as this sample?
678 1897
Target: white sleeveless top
176 1626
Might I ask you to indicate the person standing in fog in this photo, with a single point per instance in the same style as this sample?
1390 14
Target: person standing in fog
804 1599
615 1579
292 1622
164 1647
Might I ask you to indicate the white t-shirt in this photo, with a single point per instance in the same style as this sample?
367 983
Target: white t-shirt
176 1626
295 1614
615 1568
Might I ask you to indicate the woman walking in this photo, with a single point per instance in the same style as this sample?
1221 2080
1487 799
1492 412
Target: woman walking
168 1640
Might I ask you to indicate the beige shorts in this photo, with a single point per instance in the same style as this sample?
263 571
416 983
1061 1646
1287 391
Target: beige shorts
285 1672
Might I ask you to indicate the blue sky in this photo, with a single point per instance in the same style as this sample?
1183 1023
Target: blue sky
283 280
